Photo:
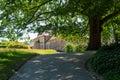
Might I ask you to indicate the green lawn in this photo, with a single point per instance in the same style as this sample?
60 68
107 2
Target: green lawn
12 59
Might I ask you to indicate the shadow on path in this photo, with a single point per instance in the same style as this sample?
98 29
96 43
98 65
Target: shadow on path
55 67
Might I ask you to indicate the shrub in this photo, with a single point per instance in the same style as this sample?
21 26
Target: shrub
79 48
112 47
3 44
69 48
17 45
112 75
107 61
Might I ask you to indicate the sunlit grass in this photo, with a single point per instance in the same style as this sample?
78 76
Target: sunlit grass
12 59
38 51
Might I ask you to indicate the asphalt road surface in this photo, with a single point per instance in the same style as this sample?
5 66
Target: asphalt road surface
61 66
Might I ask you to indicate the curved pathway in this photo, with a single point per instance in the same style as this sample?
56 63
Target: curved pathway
55 67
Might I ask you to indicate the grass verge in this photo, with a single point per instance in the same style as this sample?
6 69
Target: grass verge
12 59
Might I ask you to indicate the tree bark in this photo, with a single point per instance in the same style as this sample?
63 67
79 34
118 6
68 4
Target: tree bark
95 34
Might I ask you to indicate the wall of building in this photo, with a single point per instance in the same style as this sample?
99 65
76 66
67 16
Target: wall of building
48 42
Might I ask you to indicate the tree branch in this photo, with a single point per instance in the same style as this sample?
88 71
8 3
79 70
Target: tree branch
42 4
37 7
30 21
109 17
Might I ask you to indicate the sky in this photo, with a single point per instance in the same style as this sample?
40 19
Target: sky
31 35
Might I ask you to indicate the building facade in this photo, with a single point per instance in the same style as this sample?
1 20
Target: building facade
46 41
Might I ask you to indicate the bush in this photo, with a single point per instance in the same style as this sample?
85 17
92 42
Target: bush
107 62
3 43
17 45
112 75
79 48
2 46
112 47
69 48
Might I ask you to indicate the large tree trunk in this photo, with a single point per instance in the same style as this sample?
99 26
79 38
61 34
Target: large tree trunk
95 34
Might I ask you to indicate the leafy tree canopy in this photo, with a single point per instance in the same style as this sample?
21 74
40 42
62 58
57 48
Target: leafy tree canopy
61 16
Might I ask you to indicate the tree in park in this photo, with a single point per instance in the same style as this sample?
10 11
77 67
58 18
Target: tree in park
52 12
98 13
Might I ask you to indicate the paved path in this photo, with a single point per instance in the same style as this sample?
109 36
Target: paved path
55 67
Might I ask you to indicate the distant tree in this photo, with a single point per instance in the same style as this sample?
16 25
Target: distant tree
114 28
